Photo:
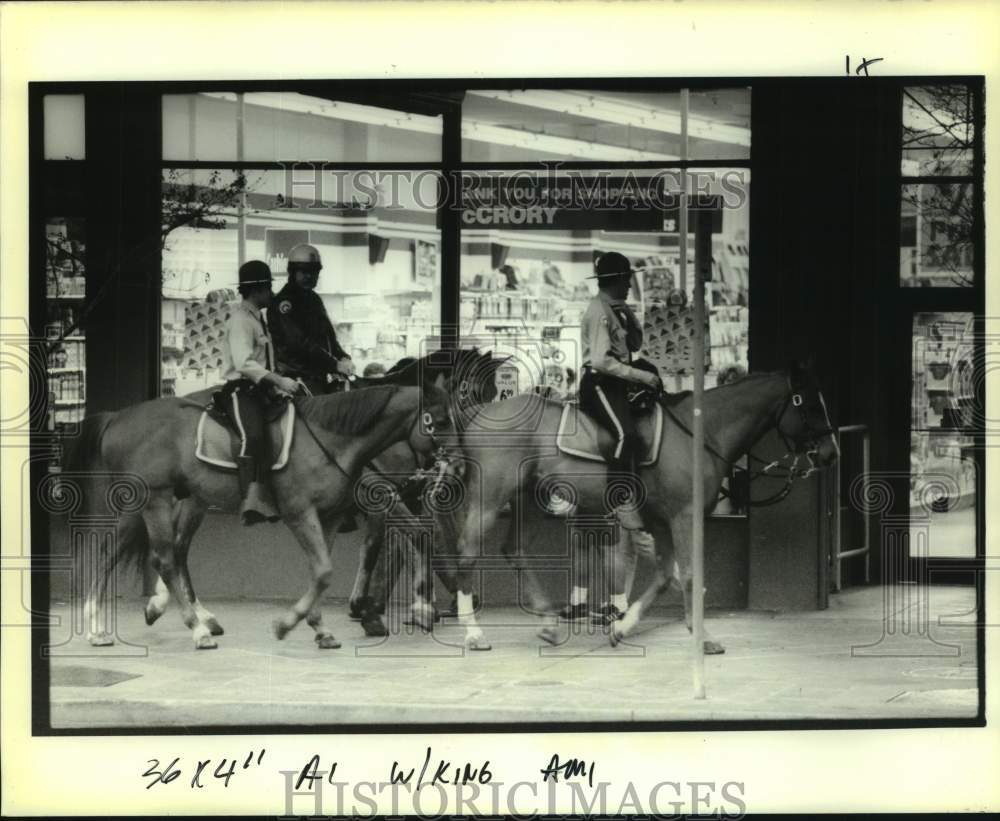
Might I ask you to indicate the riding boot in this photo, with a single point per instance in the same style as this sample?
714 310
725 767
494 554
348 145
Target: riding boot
265 503
628 511
256 505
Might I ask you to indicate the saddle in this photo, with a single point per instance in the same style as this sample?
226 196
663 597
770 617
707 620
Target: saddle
581 436
217 442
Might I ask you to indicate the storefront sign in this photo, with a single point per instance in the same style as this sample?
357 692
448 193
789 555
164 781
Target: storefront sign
541 201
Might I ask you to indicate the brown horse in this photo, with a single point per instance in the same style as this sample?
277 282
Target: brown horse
153 442
468 376
510 450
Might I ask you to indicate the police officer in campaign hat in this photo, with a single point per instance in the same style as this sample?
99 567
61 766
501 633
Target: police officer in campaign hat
305 341
609 335
248 368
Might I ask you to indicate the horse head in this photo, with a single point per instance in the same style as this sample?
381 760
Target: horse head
804 420
434 420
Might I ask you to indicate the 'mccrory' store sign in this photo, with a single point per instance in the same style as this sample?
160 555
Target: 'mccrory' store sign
578 203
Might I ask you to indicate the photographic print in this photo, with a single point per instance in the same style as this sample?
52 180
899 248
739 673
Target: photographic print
580 403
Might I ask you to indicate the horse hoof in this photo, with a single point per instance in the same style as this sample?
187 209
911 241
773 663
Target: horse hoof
549 634
280 629
374 627
615 636
356 608
215 628
477 643
151 615
205 643
713 648
100 640
327 642
423 619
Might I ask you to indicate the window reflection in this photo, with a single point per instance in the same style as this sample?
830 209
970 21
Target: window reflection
279 126
942 467
936 247
517 124
938 131
943 493
943 377
525 286
377 236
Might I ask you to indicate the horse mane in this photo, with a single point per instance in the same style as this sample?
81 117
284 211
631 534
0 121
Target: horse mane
408 371
351 412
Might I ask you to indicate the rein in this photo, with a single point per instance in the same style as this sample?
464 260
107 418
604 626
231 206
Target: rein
329 456
419 476
792 471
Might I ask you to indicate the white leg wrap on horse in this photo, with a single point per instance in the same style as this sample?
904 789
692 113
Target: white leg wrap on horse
203 614
92 617
161 598
628 624
465 609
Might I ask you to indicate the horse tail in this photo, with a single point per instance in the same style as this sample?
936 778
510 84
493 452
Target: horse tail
82 456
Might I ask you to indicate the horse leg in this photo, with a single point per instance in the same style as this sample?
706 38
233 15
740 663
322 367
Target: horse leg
538 600
156 606
313 537
188 516
95 609
480 521
680 527
159 518
659 583
371 549
324 638
189 519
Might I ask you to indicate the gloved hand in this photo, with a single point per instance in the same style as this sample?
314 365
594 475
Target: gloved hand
286 386
346 367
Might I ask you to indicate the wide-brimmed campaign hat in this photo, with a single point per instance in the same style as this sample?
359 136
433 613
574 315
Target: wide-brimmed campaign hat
612 264
255 272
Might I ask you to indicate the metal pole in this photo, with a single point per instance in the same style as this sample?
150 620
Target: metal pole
698 429
241 226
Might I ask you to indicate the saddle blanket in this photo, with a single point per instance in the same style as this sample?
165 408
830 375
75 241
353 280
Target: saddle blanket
579 435
216 444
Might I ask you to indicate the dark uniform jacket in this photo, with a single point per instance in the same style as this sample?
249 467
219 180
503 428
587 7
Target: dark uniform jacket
305 343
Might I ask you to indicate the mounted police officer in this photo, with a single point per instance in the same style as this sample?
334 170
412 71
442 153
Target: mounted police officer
305 341
248 368
609 335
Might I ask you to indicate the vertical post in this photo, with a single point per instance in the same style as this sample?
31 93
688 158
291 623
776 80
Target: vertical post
697 429
241 223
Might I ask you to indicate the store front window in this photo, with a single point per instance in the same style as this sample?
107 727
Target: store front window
942 466
381 275
511 125
376 229
528 252
938 206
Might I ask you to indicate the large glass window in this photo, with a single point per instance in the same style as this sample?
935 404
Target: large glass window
529 243
65 290
376 230
376 233
938 215
511 125
942 467
279 126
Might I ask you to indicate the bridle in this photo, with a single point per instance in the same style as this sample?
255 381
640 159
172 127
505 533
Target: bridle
804 445
798 446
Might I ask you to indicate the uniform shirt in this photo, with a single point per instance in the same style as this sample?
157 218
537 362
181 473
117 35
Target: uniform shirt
608 336
305 343
248 352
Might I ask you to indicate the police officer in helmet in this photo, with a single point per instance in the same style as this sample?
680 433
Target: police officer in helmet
304 339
